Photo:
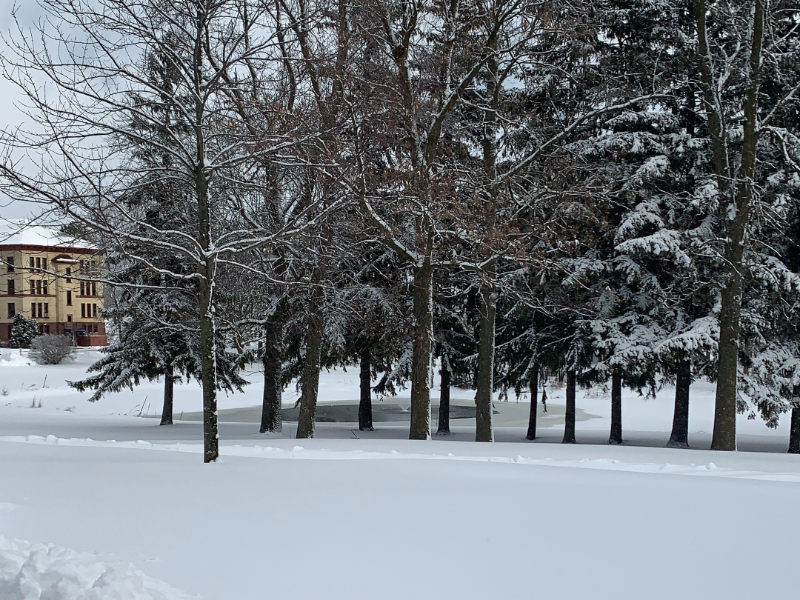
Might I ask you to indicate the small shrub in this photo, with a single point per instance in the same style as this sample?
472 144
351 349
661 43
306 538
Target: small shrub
23 331
51 349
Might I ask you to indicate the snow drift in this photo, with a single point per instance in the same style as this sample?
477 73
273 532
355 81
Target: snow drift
47 572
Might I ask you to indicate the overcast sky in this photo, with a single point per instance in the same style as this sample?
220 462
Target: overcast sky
10 116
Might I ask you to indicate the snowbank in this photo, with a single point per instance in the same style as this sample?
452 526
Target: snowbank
37 571
14 358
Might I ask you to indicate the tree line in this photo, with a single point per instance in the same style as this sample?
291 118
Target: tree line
594 190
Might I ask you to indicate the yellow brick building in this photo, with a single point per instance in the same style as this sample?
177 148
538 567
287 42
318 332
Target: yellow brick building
54 280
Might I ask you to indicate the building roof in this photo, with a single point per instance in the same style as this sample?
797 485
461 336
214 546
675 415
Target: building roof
39 237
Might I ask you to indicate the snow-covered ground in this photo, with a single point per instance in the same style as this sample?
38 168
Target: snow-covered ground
353 515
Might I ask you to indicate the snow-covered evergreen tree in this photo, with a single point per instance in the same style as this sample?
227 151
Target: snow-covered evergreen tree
23 330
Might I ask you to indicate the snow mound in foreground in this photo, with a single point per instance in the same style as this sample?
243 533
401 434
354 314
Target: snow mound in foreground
47 572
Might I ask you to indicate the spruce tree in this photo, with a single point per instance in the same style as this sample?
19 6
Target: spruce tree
23 331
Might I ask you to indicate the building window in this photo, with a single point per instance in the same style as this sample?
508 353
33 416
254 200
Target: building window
11 288
69 298
33 310
69 275
12 310
39 310
33 265
38 263
94 288
46 329
44 264
44 287
69 318
83 310
10 264
94 311
83 288
46 310
33 287
38 287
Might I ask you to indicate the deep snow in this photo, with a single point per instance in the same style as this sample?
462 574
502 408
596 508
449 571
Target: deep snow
353 515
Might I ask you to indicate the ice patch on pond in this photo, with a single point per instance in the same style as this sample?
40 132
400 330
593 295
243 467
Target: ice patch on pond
47 572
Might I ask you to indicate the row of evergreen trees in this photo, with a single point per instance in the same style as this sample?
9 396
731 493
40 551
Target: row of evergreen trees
599 191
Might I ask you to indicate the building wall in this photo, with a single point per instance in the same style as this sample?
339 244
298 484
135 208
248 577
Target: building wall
59 287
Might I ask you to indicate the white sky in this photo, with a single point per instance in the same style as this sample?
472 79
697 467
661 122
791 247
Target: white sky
10 116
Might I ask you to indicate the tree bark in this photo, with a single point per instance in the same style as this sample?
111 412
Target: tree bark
794 431
169 395
208 376
680 419
484 430
271 419
534 385
421 353
309 379
483 396
616 408
208 266
365 401
569 415
735 211
444 400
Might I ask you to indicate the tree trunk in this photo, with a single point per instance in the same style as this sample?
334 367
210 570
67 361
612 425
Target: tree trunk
794 431
534 385
485 384
680 419
309 379
421 353
208 266
569 415
616 408
365 402
724 436
444 400
734 208
208 377
169 395
271 419
208 350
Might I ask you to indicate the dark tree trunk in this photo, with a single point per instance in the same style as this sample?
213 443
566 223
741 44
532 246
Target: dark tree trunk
208 377
734 207
444 400
724 435
169 395
421 353
485 383
309 379
616 408
365 402
534 385
794 431
484 430
207 271
271 420
569 416
680 419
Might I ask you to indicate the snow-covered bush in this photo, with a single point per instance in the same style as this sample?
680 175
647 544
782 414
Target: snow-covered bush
51 349
23 331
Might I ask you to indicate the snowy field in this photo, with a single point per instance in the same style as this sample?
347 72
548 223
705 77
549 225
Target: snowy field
127 505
